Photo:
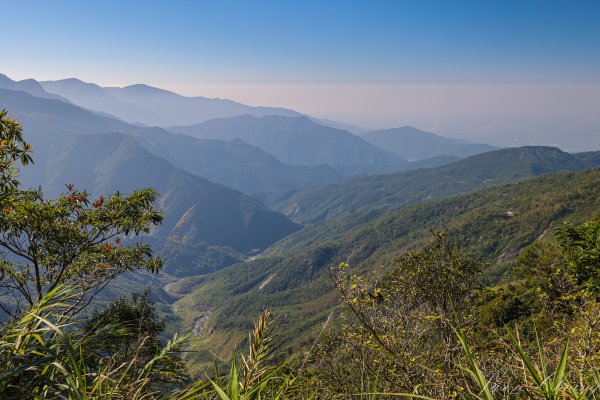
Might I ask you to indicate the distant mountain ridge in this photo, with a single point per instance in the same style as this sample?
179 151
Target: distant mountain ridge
415 144
153 106
30 86
235 164
299 140
145 106
384 192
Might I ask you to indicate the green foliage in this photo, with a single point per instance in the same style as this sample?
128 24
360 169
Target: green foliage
299 288
42 357
473 369
30 345
581 245
71 240
13 150
386 192
259 376
400 330
548 385
539 381
138 327
396 337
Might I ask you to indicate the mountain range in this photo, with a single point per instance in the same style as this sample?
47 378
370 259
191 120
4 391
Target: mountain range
293 161
293 277
196 211
142 105
329 152
73 145
152 106
148 106
30 86
299 140
224 162
493 168
260 202
415 144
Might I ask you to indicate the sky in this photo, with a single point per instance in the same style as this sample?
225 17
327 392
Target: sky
522 72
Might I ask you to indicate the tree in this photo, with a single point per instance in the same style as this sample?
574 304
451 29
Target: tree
581 245
138 327
70 240
43 357
128 332
13 150
398 335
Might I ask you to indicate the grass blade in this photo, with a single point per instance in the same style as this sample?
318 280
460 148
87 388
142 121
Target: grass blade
560 370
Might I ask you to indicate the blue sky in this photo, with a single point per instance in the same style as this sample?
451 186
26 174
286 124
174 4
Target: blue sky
417 41
259 51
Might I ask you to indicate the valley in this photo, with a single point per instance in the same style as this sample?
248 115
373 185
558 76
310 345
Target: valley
309 212
262 207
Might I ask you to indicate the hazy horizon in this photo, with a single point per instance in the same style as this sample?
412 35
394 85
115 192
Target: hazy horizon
511 73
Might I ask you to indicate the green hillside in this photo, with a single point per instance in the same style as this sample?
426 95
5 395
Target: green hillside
390 191
291 278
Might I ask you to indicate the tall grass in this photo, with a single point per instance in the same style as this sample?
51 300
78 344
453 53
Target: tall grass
258 376
540 380
43 356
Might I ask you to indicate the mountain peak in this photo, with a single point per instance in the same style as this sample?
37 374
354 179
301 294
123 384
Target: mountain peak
29 86
298 140
141 88
71 82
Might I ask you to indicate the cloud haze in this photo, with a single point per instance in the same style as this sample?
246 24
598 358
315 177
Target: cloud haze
501 114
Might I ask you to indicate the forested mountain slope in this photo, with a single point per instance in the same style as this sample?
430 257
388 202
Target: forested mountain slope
291 278
384 192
